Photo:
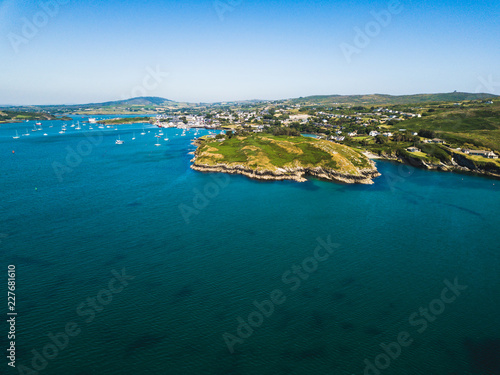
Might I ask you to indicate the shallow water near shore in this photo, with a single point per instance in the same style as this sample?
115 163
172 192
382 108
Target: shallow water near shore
202 248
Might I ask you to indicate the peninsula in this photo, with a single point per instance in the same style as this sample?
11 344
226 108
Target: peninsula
283 157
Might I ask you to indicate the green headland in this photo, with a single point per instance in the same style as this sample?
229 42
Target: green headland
270 157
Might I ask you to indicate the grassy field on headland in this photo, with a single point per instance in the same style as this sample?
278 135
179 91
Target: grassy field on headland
269 153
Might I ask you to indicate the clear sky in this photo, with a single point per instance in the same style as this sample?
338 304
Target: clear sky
75 51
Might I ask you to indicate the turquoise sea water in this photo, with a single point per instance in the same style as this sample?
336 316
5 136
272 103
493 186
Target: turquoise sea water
203 248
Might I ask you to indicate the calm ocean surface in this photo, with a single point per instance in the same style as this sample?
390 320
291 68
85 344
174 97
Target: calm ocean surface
78 209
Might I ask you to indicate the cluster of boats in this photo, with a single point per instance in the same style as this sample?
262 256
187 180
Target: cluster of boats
77 127
37 127
118 141
160 134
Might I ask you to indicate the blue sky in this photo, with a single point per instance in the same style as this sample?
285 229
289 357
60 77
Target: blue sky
73 51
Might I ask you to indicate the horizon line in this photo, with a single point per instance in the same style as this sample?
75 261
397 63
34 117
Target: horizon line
245 100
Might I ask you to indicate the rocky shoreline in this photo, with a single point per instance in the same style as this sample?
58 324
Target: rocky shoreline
458 164
295 174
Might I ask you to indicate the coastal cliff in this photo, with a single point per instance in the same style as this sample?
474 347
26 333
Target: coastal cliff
458 162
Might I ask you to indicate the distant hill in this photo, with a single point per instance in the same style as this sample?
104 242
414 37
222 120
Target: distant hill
111 107
135 104
381 99
143 100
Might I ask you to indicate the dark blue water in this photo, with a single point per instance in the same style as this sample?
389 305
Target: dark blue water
77 210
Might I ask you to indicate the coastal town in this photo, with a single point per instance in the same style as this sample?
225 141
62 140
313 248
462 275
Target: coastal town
380 131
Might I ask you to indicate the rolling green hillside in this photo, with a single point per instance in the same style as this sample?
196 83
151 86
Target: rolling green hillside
478 126
380 99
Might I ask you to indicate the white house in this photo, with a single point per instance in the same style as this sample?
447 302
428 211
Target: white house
436 140
484 154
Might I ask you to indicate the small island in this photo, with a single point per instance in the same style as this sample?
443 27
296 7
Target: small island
126 120
271 157
14 116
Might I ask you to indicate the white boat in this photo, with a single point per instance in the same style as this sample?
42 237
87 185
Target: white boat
34 128
101 126
119 141
27 132
17 136
157 144
143 131
166 139
133 136
45 134
78 126
91 128
38 123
